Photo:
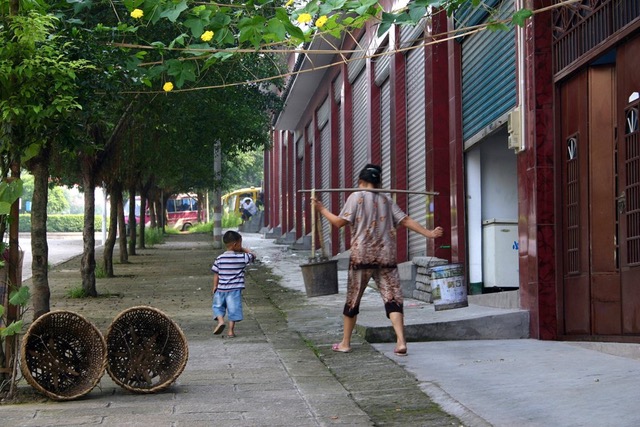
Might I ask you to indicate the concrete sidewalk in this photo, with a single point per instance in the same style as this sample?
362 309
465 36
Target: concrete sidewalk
269 375
498 382
280 370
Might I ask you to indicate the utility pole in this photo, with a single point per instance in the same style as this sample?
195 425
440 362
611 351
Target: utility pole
217 194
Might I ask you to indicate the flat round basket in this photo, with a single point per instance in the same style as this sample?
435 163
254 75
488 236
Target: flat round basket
63 355
146 350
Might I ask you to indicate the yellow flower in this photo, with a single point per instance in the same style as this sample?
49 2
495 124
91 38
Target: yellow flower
168 87
321 21
304 18
289 3
206 36
137 13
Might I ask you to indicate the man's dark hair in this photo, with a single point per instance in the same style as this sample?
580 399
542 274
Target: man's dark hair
231 237
371 173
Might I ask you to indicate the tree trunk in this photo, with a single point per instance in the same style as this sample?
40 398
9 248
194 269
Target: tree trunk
132 220
201 203
153 215
88 262
107 255
39 248
124 257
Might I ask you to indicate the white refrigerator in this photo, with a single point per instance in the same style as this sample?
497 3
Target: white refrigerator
500 253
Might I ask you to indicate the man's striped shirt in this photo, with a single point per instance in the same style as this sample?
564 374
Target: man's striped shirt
230 269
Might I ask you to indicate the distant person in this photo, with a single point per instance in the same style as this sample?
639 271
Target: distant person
228 282
248 209
374 218
260 201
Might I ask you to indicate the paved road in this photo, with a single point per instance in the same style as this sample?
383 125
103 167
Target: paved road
62 246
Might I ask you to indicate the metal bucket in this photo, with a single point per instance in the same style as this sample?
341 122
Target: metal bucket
448 287
320 278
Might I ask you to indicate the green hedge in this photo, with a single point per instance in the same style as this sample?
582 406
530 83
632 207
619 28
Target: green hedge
60 223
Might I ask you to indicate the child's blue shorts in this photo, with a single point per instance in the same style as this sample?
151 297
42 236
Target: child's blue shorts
229 303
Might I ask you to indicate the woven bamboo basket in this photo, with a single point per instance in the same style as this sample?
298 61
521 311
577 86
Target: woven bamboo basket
146 350
63 355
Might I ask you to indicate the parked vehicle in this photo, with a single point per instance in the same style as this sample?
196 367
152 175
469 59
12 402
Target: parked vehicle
182 212
231 201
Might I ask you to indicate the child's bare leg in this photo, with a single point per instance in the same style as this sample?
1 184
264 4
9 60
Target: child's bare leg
220 326
231 332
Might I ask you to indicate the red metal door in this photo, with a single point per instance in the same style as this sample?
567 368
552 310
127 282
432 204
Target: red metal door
628 194
599 164
573 165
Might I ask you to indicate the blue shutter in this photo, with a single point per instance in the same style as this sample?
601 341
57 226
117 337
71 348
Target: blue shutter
488 75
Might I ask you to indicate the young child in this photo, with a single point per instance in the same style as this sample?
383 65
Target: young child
228 282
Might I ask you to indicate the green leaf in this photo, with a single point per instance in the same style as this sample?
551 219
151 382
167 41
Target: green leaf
196 25
521 16
416 13
9 193
178 40
220 20
13 329
132 4
20 297
383 28
182 71
294 31
497 26
1 310
172 13
223 56
251 30
31 151
276 27
331 5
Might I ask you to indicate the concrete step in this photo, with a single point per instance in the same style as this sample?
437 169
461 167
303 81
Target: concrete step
254 225
424 323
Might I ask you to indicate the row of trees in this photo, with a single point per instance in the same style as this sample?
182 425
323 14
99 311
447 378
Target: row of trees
70 116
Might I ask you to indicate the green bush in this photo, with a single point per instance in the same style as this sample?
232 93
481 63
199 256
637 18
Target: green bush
153 236
231 220
202 227
60 223
76 292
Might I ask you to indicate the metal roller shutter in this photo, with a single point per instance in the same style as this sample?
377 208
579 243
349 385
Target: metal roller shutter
297 135
385 132
360 133
356 64
341 174
312 177
382 66
416 152
337 89
409 34
325 156
323 114
488 76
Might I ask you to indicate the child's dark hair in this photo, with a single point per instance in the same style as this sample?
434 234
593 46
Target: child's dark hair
231 237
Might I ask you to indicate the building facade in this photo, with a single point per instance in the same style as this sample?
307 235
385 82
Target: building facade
529 137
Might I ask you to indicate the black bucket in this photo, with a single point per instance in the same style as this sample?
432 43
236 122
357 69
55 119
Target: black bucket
320 278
